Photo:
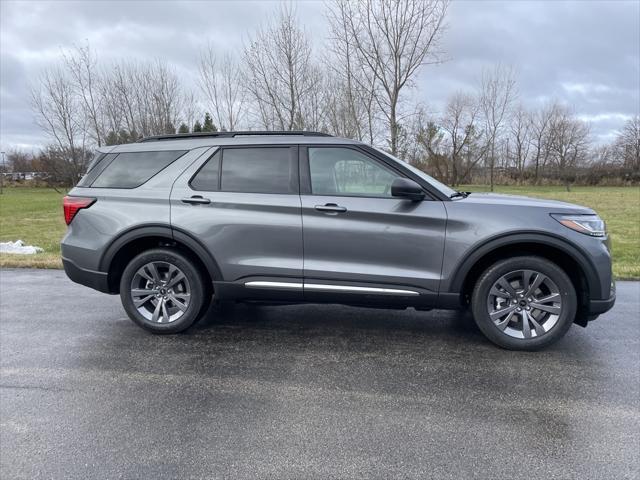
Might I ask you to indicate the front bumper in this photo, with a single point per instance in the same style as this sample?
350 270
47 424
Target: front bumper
89 278
596 307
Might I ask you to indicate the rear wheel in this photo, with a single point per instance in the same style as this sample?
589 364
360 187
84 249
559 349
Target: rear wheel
162 291
524 303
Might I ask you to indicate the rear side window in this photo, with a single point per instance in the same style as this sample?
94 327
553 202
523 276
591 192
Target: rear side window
259 170
132 169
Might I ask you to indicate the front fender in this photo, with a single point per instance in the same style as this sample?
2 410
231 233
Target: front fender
454 283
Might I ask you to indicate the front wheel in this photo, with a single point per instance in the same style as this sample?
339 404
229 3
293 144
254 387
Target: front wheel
524 303
162 291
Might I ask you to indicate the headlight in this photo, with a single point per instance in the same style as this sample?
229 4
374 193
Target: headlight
591 225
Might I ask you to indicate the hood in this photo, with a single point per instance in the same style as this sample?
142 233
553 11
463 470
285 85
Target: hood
518 200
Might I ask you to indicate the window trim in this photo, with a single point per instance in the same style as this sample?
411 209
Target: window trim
184 152
294 174
305 172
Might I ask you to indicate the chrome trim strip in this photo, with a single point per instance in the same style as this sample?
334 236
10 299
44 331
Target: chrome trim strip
329 288
353 289
287 285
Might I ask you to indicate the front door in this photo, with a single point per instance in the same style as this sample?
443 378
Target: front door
359 239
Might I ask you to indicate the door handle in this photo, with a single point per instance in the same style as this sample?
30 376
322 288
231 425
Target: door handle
331 208
196 200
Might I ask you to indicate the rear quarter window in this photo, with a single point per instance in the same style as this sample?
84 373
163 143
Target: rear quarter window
95 168
208 177
129 169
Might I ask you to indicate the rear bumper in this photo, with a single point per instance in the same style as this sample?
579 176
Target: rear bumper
89 278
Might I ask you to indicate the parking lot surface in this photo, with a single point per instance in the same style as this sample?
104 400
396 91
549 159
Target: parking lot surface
306 391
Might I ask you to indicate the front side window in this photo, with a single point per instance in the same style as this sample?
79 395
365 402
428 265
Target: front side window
259 170
132 169
348 172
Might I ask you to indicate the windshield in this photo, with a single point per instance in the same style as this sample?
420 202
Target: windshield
448 191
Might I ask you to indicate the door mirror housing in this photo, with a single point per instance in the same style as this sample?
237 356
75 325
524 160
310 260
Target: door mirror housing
405 188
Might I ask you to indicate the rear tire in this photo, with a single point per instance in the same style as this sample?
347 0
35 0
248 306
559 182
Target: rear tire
163 291
524 303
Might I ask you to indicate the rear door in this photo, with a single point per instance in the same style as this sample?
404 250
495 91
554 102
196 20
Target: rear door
242 203
357 235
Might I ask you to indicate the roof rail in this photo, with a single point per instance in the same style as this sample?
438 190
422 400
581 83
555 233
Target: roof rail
247 133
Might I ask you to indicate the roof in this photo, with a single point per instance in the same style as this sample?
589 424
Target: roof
190 142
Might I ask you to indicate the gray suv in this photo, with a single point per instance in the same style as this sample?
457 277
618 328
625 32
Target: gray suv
174 222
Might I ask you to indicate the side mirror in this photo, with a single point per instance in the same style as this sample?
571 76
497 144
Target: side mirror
405 188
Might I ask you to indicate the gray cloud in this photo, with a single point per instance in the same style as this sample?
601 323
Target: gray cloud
584 53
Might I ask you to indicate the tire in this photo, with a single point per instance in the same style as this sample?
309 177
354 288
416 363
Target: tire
502 320
163 291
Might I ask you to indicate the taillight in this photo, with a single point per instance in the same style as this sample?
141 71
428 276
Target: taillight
73 204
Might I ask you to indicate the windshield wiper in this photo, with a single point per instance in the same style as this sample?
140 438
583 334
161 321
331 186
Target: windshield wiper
459 194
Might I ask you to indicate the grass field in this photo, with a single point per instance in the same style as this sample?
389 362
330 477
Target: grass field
34 215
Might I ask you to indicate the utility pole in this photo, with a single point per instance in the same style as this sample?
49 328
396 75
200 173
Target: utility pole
2 176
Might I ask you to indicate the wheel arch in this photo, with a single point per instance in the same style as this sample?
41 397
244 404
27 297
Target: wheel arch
567 256
134 241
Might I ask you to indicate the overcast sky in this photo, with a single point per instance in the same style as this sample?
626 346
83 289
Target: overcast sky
585 53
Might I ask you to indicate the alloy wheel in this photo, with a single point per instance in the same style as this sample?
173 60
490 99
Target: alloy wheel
160 292
524 304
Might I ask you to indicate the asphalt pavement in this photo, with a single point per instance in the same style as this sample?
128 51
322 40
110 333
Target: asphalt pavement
306 391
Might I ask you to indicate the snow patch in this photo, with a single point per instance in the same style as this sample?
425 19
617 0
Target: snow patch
19 247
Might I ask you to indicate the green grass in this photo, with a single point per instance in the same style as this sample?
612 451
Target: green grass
34 215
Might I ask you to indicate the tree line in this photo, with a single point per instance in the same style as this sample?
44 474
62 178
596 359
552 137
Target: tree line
357 84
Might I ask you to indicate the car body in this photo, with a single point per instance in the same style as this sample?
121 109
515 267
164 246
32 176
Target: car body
305 217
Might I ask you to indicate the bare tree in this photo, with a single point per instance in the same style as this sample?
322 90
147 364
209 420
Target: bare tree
628 144
56 105
452 145
221 82
432 155
191 110
540 121
460 124
19 161
392 40
338 109
568 142
164 98
520 133
141 99
313 106
82 65
118 103
280 72
497 92
352 109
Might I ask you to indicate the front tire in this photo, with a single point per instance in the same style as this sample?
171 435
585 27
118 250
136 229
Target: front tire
524 303
162 291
